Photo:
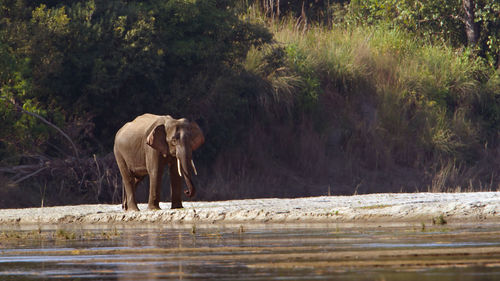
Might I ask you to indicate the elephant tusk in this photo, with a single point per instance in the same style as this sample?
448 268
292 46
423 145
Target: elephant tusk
194 168
179 167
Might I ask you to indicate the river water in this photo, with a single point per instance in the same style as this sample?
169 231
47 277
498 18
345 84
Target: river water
251 252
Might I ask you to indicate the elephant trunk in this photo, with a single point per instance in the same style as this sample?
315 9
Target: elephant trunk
183 165
191 191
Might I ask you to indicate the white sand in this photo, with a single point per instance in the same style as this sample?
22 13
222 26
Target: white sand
394 207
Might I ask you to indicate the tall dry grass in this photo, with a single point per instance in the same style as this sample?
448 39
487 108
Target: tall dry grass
390 102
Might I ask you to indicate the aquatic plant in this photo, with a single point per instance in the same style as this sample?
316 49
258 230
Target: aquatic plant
439 220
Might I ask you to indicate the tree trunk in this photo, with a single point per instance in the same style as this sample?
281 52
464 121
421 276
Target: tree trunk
278 9
471 27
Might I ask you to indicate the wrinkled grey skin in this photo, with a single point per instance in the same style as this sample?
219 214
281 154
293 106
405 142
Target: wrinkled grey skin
145 145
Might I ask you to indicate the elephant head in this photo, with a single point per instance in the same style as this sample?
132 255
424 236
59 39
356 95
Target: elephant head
178 138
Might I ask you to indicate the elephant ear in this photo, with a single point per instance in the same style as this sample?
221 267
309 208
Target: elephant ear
197 136
157 139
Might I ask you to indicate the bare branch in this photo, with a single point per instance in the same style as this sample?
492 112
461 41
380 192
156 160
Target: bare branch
30 175
20 168
41 118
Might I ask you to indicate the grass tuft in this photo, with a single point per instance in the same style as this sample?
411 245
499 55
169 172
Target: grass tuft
439 220
389 100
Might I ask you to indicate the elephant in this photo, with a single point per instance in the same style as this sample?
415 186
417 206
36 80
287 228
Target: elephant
145 146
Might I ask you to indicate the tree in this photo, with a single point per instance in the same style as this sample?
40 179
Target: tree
461 22
113 60
471 27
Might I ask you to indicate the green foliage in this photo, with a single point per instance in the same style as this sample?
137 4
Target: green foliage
487 16
310 89
319 11
434 20
16 134
426 97
113 60
381 83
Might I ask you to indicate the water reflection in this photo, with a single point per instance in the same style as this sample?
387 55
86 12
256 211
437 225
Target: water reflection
269 252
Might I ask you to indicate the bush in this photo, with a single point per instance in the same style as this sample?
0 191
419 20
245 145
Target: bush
390 99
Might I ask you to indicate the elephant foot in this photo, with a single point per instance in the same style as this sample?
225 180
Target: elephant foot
153 207
132 208
176 205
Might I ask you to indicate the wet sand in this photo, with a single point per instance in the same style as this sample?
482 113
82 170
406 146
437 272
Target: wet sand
377 208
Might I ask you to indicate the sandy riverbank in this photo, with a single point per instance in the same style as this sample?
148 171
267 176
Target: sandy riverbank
394 207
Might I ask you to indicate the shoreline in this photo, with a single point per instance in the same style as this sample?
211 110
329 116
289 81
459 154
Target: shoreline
370 208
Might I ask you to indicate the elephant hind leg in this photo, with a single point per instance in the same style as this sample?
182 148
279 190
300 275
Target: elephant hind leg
135 182
129 186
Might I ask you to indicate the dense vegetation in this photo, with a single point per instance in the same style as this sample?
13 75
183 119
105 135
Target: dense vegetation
295 97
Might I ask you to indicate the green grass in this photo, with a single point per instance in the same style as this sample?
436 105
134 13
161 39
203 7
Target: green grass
397 99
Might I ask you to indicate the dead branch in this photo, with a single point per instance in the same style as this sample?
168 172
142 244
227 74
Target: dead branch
30 175
17 169
96 178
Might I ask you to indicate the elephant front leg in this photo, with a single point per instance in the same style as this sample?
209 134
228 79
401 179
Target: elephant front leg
175 187
155 190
